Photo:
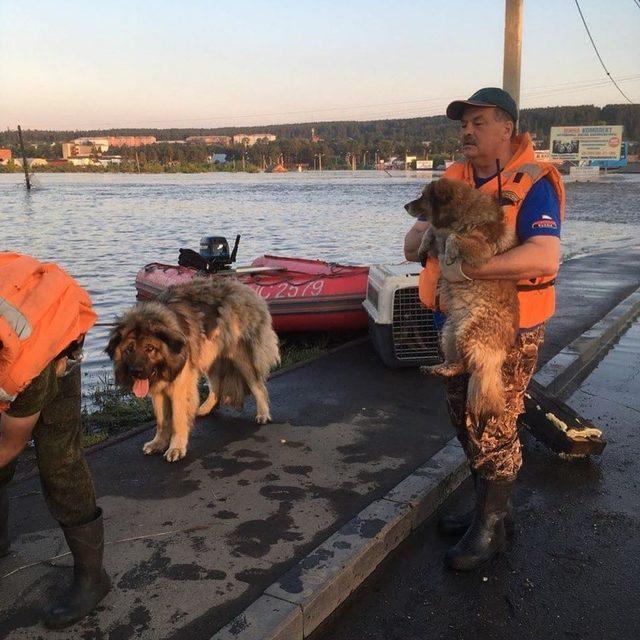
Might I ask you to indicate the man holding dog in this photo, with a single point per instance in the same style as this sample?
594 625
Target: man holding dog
44 315
497 161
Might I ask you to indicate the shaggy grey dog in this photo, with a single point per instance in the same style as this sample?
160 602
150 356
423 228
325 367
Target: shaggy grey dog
214 327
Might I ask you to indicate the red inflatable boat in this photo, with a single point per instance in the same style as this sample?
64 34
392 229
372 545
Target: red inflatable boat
303 295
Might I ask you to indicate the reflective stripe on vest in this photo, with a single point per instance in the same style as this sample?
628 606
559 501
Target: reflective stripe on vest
15 319
5 396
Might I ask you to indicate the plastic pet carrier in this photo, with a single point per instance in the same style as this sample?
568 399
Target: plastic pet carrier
403 331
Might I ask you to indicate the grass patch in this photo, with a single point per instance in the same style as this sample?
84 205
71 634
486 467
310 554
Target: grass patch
114 410
300 347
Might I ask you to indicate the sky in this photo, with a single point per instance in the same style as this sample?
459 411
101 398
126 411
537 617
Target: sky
196 63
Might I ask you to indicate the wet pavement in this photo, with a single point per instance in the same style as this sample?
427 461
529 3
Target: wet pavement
573 568
191 544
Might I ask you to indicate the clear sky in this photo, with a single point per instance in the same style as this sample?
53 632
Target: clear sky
209 63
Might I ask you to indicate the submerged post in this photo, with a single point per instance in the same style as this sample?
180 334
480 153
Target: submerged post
24 159
514 10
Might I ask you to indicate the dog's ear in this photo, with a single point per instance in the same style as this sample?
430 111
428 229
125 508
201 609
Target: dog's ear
440 191
115 338
174 340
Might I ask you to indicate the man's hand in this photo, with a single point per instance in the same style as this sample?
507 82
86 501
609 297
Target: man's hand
14 435
451 262
452 271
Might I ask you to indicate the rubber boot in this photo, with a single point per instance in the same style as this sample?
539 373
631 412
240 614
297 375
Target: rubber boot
90 581
4 523
457 525
486 535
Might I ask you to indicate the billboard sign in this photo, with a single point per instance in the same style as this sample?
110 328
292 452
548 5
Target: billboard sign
586 143
422 165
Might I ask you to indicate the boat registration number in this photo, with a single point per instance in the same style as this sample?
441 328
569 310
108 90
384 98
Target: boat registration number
288 290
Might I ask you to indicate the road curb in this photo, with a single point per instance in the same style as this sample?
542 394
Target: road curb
295 605
566 370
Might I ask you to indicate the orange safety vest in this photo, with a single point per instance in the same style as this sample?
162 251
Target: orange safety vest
536 295
42 311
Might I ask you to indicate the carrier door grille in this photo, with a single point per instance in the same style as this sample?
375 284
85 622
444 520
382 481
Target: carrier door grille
415 336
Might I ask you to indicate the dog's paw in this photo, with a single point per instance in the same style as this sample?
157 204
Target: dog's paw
426 245
174 454
444 370
205 411
263 418
154 446
452 249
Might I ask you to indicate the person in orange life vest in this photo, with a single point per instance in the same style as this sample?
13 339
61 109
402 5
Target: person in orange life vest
43 316
533 200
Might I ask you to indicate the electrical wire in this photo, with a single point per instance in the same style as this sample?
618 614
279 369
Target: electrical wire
584 22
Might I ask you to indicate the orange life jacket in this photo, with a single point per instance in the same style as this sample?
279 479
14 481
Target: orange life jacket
536 295
42 311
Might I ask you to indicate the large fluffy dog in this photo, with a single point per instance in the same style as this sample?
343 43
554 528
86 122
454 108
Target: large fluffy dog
218 328
482 315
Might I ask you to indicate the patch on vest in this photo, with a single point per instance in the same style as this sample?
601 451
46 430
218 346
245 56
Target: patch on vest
545 222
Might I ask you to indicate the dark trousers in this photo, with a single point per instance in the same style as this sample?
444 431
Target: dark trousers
64 474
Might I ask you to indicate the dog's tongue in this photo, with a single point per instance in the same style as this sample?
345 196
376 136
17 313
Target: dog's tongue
140 388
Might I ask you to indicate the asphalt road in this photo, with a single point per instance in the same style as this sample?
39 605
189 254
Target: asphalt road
573 568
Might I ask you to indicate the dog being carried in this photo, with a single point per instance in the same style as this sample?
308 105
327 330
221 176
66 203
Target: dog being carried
482 315
218 328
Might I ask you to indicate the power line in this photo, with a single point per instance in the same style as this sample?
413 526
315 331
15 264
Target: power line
637 3
584 22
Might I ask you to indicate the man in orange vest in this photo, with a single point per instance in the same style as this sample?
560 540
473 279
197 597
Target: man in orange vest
40 410
532 195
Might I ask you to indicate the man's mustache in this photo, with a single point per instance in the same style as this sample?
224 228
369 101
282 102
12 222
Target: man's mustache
469 140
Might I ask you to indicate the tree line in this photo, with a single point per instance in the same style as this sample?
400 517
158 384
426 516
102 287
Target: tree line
339 143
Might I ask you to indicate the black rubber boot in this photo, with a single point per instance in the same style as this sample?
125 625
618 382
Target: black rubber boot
457 525
5 544
486 535
90 581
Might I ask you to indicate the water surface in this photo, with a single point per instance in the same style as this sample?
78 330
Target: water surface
103 227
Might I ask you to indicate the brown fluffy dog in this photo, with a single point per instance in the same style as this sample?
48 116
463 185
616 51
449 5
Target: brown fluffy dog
482 315
218 328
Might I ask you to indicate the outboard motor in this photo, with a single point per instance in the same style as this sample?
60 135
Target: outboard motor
214 255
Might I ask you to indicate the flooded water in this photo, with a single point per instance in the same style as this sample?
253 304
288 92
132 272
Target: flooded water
103 228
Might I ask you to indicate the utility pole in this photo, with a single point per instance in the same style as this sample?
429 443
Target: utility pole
320 161
514 10
24 159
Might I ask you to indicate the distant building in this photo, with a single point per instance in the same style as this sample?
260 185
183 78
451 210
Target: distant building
130 141
170 142
82 162
73 150
314 137
224 141
105 161
214 158
31 162
5 155
249 139
100 144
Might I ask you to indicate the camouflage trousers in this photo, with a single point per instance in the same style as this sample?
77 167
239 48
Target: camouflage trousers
493 448
64 474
